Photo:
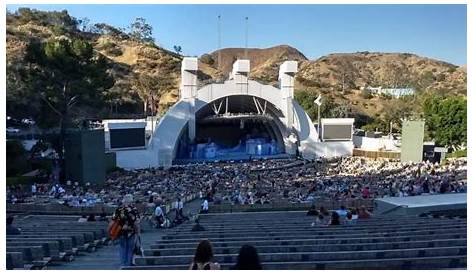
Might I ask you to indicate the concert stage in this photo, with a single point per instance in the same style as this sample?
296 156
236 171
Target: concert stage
419 204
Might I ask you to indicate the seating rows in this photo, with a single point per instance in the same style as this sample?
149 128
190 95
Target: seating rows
286 240
48 240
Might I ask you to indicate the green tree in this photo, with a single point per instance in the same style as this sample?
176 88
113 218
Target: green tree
446 120
150 88
65 74
16 158
328 108
140 30
207 59
177 49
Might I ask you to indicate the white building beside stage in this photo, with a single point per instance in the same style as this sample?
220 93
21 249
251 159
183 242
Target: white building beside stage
293 128
395 92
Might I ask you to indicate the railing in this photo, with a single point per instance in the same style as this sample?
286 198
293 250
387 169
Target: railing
376 154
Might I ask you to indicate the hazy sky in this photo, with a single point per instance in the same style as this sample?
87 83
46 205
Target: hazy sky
437 31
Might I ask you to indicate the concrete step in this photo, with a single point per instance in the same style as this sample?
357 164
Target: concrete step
315 256
234 249
305 230
425 263
312 241
312 236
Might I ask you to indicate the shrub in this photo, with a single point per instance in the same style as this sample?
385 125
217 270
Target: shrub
16 158
207 59
367 94
19 180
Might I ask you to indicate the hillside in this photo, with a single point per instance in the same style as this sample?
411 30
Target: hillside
363 69
338 76
264 63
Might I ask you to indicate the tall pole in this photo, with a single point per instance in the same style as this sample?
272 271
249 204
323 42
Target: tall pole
319 122
246 36
152 114
219 42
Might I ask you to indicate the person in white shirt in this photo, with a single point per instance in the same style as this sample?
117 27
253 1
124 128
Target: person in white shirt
178 206
159 216
53 190
205 206
33 189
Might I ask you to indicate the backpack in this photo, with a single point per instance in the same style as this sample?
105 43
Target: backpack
114 229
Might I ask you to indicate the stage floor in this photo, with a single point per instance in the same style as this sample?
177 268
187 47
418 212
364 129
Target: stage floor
428 200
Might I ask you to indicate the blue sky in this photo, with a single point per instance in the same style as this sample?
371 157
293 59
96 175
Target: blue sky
436 31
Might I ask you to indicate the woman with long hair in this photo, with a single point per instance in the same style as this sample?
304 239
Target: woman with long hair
203 257
248 259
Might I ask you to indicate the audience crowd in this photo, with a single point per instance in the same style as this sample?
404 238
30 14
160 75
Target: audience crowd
258 182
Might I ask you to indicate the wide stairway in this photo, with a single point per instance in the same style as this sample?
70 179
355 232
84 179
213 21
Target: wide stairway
286 240
52 240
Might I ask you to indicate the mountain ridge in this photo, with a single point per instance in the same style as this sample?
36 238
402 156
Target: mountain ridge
339 76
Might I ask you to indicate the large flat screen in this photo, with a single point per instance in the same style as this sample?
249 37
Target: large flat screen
337 132
128 137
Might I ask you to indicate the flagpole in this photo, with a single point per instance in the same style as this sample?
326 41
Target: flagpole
317 101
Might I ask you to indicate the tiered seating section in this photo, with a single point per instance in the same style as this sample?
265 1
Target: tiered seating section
286 240
47 240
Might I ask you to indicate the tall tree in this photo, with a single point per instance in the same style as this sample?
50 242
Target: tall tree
140 30
177 49
65 74
446 120
150 89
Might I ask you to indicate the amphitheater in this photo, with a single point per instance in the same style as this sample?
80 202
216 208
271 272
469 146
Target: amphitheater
234 119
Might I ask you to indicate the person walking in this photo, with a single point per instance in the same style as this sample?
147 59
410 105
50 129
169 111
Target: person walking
128 217
205 207
159 216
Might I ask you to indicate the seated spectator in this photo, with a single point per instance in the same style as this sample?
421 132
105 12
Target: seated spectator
159 216
355 215
83 219
103 217
365 192
320 221
248 259
324 212
203 257
11 229
349 220
34 189
197 226
363 213
312 211
334 219
342 212
91 218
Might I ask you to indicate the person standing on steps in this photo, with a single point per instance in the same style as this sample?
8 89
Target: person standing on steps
205 207
128 217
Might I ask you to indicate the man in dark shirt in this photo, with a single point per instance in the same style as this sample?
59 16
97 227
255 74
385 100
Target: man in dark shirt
11 229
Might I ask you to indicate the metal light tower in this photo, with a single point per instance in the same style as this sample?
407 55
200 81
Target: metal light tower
218 42
246 36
